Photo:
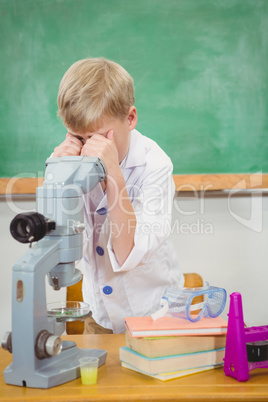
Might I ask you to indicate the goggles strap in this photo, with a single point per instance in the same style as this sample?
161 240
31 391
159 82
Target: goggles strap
197 306
162 311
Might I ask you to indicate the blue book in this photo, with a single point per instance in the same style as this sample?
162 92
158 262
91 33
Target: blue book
165 364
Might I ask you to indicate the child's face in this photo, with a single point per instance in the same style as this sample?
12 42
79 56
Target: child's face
121 129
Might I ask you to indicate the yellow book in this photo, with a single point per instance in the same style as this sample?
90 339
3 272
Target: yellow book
172 375
174 345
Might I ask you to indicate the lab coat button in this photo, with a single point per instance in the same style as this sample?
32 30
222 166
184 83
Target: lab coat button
107 290
100 250
102 211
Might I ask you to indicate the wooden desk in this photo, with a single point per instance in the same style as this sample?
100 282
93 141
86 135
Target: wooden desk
119 384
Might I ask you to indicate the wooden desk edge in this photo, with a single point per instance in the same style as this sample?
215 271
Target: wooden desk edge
196 182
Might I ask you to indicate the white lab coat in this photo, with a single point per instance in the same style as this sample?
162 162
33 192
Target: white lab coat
135 288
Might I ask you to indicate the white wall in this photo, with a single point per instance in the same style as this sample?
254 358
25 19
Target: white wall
221 236
225 240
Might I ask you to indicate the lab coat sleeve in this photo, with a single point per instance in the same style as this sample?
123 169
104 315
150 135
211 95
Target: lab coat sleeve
153 210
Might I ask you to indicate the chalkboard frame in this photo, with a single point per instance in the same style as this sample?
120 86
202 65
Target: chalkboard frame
183 183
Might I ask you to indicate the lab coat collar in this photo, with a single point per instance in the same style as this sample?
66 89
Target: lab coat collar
136 153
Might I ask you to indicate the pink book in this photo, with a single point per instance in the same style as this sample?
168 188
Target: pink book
168 326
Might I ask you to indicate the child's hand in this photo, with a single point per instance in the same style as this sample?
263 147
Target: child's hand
103 147
71 146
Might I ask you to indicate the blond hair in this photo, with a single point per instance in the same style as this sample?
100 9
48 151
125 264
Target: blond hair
92 89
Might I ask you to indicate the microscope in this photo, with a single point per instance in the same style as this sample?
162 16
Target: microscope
40 358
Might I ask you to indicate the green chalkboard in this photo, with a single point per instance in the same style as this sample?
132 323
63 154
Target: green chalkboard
200 69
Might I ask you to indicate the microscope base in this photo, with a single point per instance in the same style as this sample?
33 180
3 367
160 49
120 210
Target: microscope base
53 371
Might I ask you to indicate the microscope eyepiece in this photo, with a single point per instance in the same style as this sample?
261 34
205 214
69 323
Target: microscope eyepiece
30 226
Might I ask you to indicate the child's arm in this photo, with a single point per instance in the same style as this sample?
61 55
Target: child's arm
122 218
152 201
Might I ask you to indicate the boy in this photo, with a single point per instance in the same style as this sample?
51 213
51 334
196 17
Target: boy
129 259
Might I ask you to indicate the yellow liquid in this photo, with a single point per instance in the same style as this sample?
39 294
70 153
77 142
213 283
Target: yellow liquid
89 375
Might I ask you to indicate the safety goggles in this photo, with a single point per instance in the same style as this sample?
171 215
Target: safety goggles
193 303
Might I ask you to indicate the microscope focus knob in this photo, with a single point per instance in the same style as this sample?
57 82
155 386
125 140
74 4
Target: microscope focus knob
6 342
53 345
47 345
30 226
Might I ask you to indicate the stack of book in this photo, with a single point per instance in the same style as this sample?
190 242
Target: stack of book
170 348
